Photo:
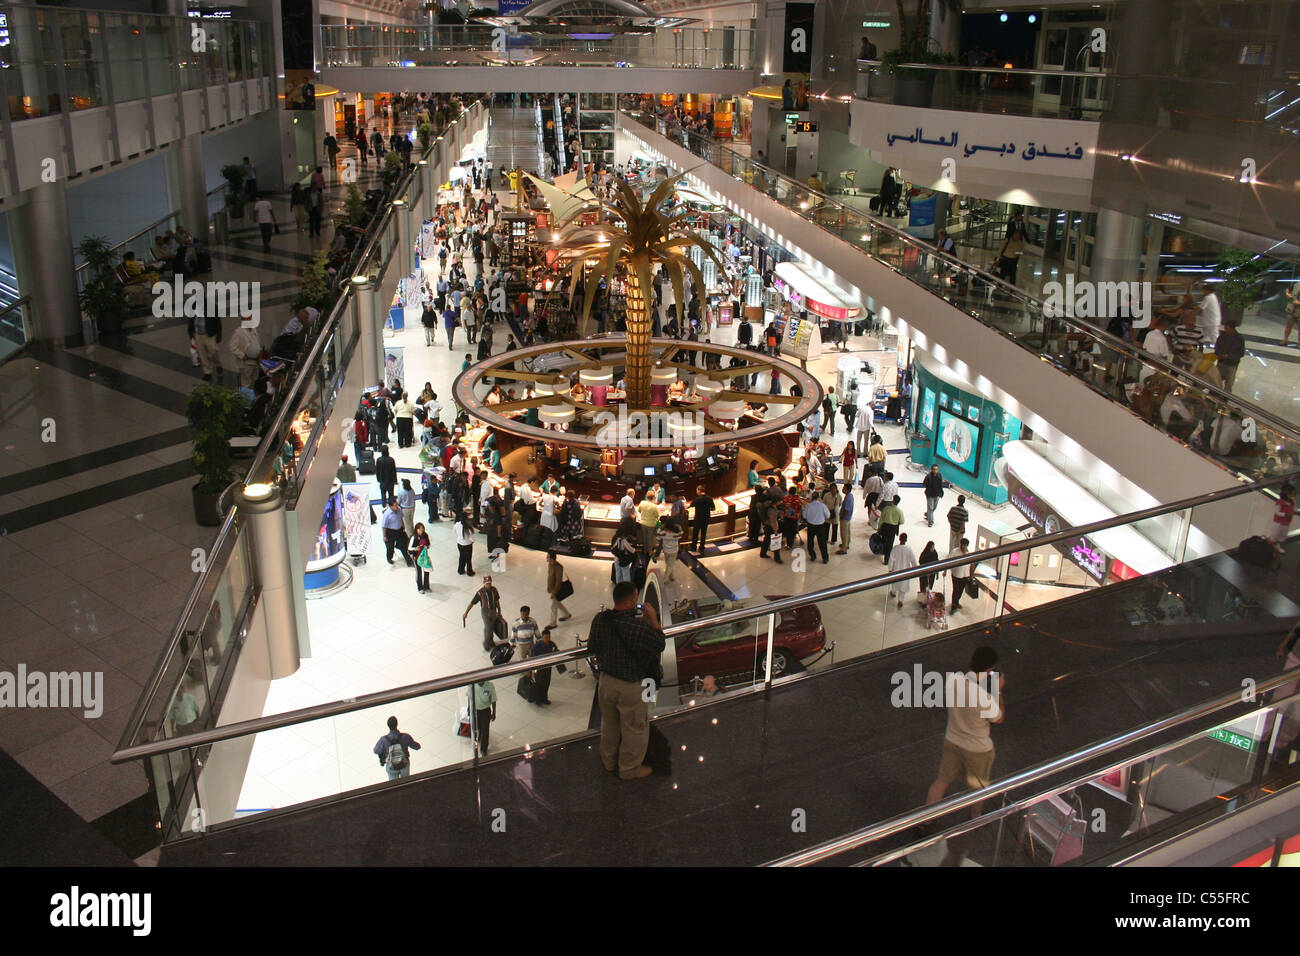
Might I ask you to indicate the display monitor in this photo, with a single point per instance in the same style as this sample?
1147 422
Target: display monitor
648 471
710 461
668 468
575 462
958 441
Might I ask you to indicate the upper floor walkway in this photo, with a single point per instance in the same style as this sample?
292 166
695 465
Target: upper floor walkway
490 59
85 90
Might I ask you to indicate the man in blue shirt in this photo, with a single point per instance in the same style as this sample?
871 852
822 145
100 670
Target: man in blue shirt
846 517
394 750
395 533
817 516
449 318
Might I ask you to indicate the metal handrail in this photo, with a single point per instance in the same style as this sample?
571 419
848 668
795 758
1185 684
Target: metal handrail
830 848
1002 71
305 376
1109 341
1085 777
423 688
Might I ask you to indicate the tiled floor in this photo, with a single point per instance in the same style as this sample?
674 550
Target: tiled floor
96 525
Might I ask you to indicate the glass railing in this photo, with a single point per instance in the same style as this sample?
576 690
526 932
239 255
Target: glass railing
745 648
1240 436
682 49
1059 94
59 60
1103 805
15 327
194 670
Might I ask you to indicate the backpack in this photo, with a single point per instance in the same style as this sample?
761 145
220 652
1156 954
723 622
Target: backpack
791 512
397 757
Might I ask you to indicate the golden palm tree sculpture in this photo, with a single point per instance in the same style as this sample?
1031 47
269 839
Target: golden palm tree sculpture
646 238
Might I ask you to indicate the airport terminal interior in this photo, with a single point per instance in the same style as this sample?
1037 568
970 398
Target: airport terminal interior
653 432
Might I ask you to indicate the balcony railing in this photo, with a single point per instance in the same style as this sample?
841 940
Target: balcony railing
1060 94
384 46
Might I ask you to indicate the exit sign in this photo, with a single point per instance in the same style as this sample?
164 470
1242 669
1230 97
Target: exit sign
877 21
1240 741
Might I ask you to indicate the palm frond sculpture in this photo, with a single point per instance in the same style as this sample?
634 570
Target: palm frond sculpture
648 237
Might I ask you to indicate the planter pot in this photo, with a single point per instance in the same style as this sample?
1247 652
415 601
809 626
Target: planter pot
1253 311
1231 315
110 324
236 210
221 226
914 89
207 508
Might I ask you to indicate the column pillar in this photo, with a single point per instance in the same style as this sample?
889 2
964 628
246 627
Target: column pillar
42 244
262 507
1117 247
188 185
402 213
945 27
371 331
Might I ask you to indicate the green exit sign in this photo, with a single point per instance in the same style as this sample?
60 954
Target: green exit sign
876 23
1240 741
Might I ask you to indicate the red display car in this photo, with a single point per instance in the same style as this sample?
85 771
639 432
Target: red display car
729 650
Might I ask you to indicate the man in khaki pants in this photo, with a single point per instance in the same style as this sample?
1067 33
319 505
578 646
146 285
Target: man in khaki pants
626 643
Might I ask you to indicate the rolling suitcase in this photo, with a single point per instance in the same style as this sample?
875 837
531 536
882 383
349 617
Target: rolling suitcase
501 654
366 466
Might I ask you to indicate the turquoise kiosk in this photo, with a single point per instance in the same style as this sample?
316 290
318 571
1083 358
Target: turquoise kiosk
959 430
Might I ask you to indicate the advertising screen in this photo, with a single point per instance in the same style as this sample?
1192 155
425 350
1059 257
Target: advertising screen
927 410
958 442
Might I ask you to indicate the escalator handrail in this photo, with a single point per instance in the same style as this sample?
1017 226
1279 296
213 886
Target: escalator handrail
128 751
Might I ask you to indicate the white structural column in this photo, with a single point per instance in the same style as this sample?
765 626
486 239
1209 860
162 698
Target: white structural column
42 244
1117 247
275 559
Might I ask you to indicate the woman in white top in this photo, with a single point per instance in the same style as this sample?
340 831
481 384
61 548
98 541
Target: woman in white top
546 505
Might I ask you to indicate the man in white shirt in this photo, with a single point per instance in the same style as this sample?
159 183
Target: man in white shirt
901 558
974 702
265 217
890 487
627 507
1209 316
864 421
457 462
1157 344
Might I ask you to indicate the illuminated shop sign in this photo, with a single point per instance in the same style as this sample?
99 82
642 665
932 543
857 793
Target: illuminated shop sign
1081 551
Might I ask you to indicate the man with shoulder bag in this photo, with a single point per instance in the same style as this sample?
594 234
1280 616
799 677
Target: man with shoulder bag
625 644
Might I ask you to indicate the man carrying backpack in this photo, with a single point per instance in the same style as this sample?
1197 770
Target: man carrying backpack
394 750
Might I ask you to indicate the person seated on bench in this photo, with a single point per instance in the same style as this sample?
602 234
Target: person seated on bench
136 274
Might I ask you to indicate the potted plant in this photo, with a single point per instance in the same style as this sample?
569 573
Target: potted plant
314 285
215 415
425 132
392 170
355 206
234 176
1239 273
102 296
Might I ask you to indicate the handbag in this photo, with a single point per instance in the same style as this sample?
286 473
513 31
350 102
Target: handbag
564 591
422 560
972 589
462 727
776 543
